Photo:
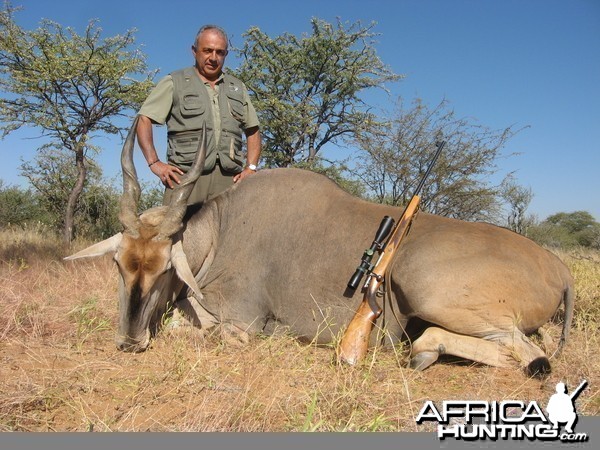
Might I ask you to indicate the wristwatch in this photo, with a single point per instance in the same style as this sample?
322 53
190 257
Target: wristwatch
252 167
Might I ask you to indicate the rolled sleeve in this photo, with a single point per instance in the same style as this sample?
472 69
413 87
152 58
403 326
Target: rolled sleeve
158 103
251 116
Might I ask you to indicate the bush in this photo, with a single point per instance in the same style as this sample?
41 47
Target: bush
567 230
18 206
96 217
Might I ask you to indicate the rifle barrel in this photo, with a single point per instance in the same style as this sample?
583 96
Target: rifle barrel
440 146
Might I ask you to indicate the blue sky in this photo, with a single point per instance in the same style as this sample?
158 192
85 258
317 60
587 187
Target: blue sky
533 63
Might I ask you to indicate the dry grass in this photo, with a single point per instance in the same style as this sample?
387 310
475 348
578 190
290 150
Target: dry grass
61 371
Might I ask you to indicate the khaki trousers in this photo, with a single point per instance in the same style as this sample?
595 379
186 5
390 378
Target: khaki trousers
209 185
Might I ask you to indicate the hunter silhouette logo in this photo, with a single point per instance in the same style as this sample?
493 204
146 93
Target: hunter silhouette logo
508 419
561 406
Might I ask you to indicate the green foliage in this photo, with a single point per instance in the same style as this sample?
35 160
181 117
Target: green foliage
71 87
307 90
395 156
97 212
334 172
517 199
19 206
53 176
66 84
567 230
152 195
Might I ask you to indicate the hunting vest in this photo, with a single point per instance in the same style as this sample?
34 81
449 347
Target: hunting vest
192 108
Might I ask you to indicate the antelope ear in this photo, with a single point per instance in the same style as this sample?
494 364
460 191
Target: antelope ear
182 267
109 245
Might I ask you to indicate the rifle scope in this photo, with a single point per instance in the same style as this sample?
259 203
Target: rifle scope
365 266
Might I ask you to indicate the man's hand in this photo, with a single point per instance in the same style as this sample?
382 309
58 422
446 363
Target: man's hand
169 175
243 174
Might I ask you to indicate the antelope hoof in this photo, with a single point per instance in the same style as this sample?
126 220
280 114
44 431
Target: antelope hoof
423 360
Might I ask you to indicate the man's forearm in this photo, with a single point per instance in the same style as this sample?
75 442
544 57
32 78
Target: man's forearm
146 139
253 144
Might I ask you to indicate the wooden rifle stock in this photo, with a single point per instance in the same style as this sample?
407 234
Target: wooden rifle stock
355 342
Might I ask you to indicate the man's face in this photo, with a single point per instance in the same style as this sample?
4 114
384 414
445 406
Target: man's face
210 52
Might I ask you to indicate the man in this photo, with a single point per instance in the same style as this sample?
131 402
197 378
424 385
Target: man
188 98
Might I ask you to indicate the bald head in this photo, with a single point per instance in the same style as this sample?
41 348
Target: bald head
213 29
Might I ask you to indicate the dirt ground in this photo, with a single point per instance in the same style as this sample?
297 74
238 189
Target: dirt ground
60 369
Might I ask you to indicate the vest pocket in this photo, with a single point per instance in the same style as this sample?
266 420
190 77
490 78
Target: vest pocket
233 160
191 105
237 107
182 155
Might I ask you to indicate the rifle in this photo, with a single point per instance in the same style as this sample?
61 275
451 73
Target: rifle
354 343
